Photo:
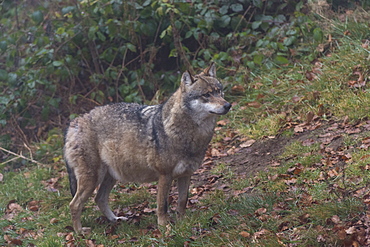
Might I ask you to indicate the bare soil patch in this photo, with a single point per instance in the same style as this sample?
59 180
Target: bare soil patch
265 153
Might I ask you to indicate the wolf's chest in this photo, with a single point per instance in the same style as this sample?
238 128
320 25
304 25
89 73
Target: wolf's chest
184 168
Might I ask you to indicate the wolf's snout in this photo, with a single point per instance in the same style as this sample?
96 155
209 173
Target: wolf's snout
227 106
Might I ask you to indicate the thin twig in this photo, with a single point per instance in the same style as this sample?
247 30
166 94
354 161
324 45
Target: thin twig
245 12
5 162
178 44
20 156
123 66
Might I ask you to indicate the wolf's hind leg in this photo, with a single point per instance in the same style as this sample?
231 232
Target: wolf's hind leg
85 188
102 197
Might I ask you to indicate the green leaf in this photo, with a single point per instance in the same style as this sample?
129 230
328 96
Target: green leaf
178 24
281 60
257 59
223 10
3 75
259 43
101 36
4 100
61 30
225 20
12 78
265 25
318 34
173 53
274 45
267 18
188 34
3 45
280 19
299 6
289 40
146 3
160 11
236 7
164 32
92 31
131 47
138 6
68 9
37 16
291 32
258 3
256 24
250 65
184 8
57 63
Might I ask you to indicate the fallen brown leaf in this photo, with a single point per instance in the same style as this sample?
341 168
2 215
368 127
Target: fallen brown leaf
247 143
298 129
335 219
223 122
237 89
244 234
54 220
261 234
260 211
351 230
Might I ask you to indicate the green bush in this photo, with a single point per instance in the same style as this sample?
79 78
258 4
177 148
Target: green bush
58 58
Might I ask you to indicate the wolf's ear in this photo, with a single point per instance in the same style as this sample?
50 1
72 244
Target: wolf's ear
186 78
211 70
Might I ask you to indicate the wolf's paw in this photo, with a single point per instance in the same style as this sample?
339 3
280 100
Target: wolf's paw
121 218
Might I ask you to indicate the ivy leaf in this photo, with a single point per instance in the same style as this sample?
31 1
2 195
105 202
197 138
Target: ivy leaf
188 34
3 75
57 63
265 25
225 20
37 16
289 41
92 31
258 3
256 24
236 7
3 45
146 3
223 10
101 36
131 47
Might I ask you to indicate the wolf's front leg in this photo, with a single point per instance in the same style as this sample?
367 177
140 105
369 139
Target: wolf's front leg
164 185
183 188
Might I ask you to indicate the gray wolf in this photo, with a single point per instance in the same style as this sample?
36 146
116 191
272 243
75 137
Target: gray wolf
130 142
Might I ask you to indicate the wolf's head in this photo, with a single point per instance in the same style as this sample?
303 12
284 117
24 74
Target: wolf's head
203 94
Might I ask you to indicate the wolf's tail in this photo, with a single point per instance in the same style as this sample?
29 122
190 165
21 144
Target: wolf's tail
72 179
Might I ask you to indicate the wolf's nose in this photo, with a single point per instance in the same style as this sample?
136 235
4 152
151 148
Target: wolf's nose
227 106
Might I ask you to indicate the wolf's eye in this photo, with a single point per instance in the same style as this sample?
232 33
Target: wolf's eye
206 95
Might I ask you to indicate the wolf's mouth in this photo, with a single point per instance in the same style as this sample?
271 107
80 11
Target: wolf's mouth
226 109
219 113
